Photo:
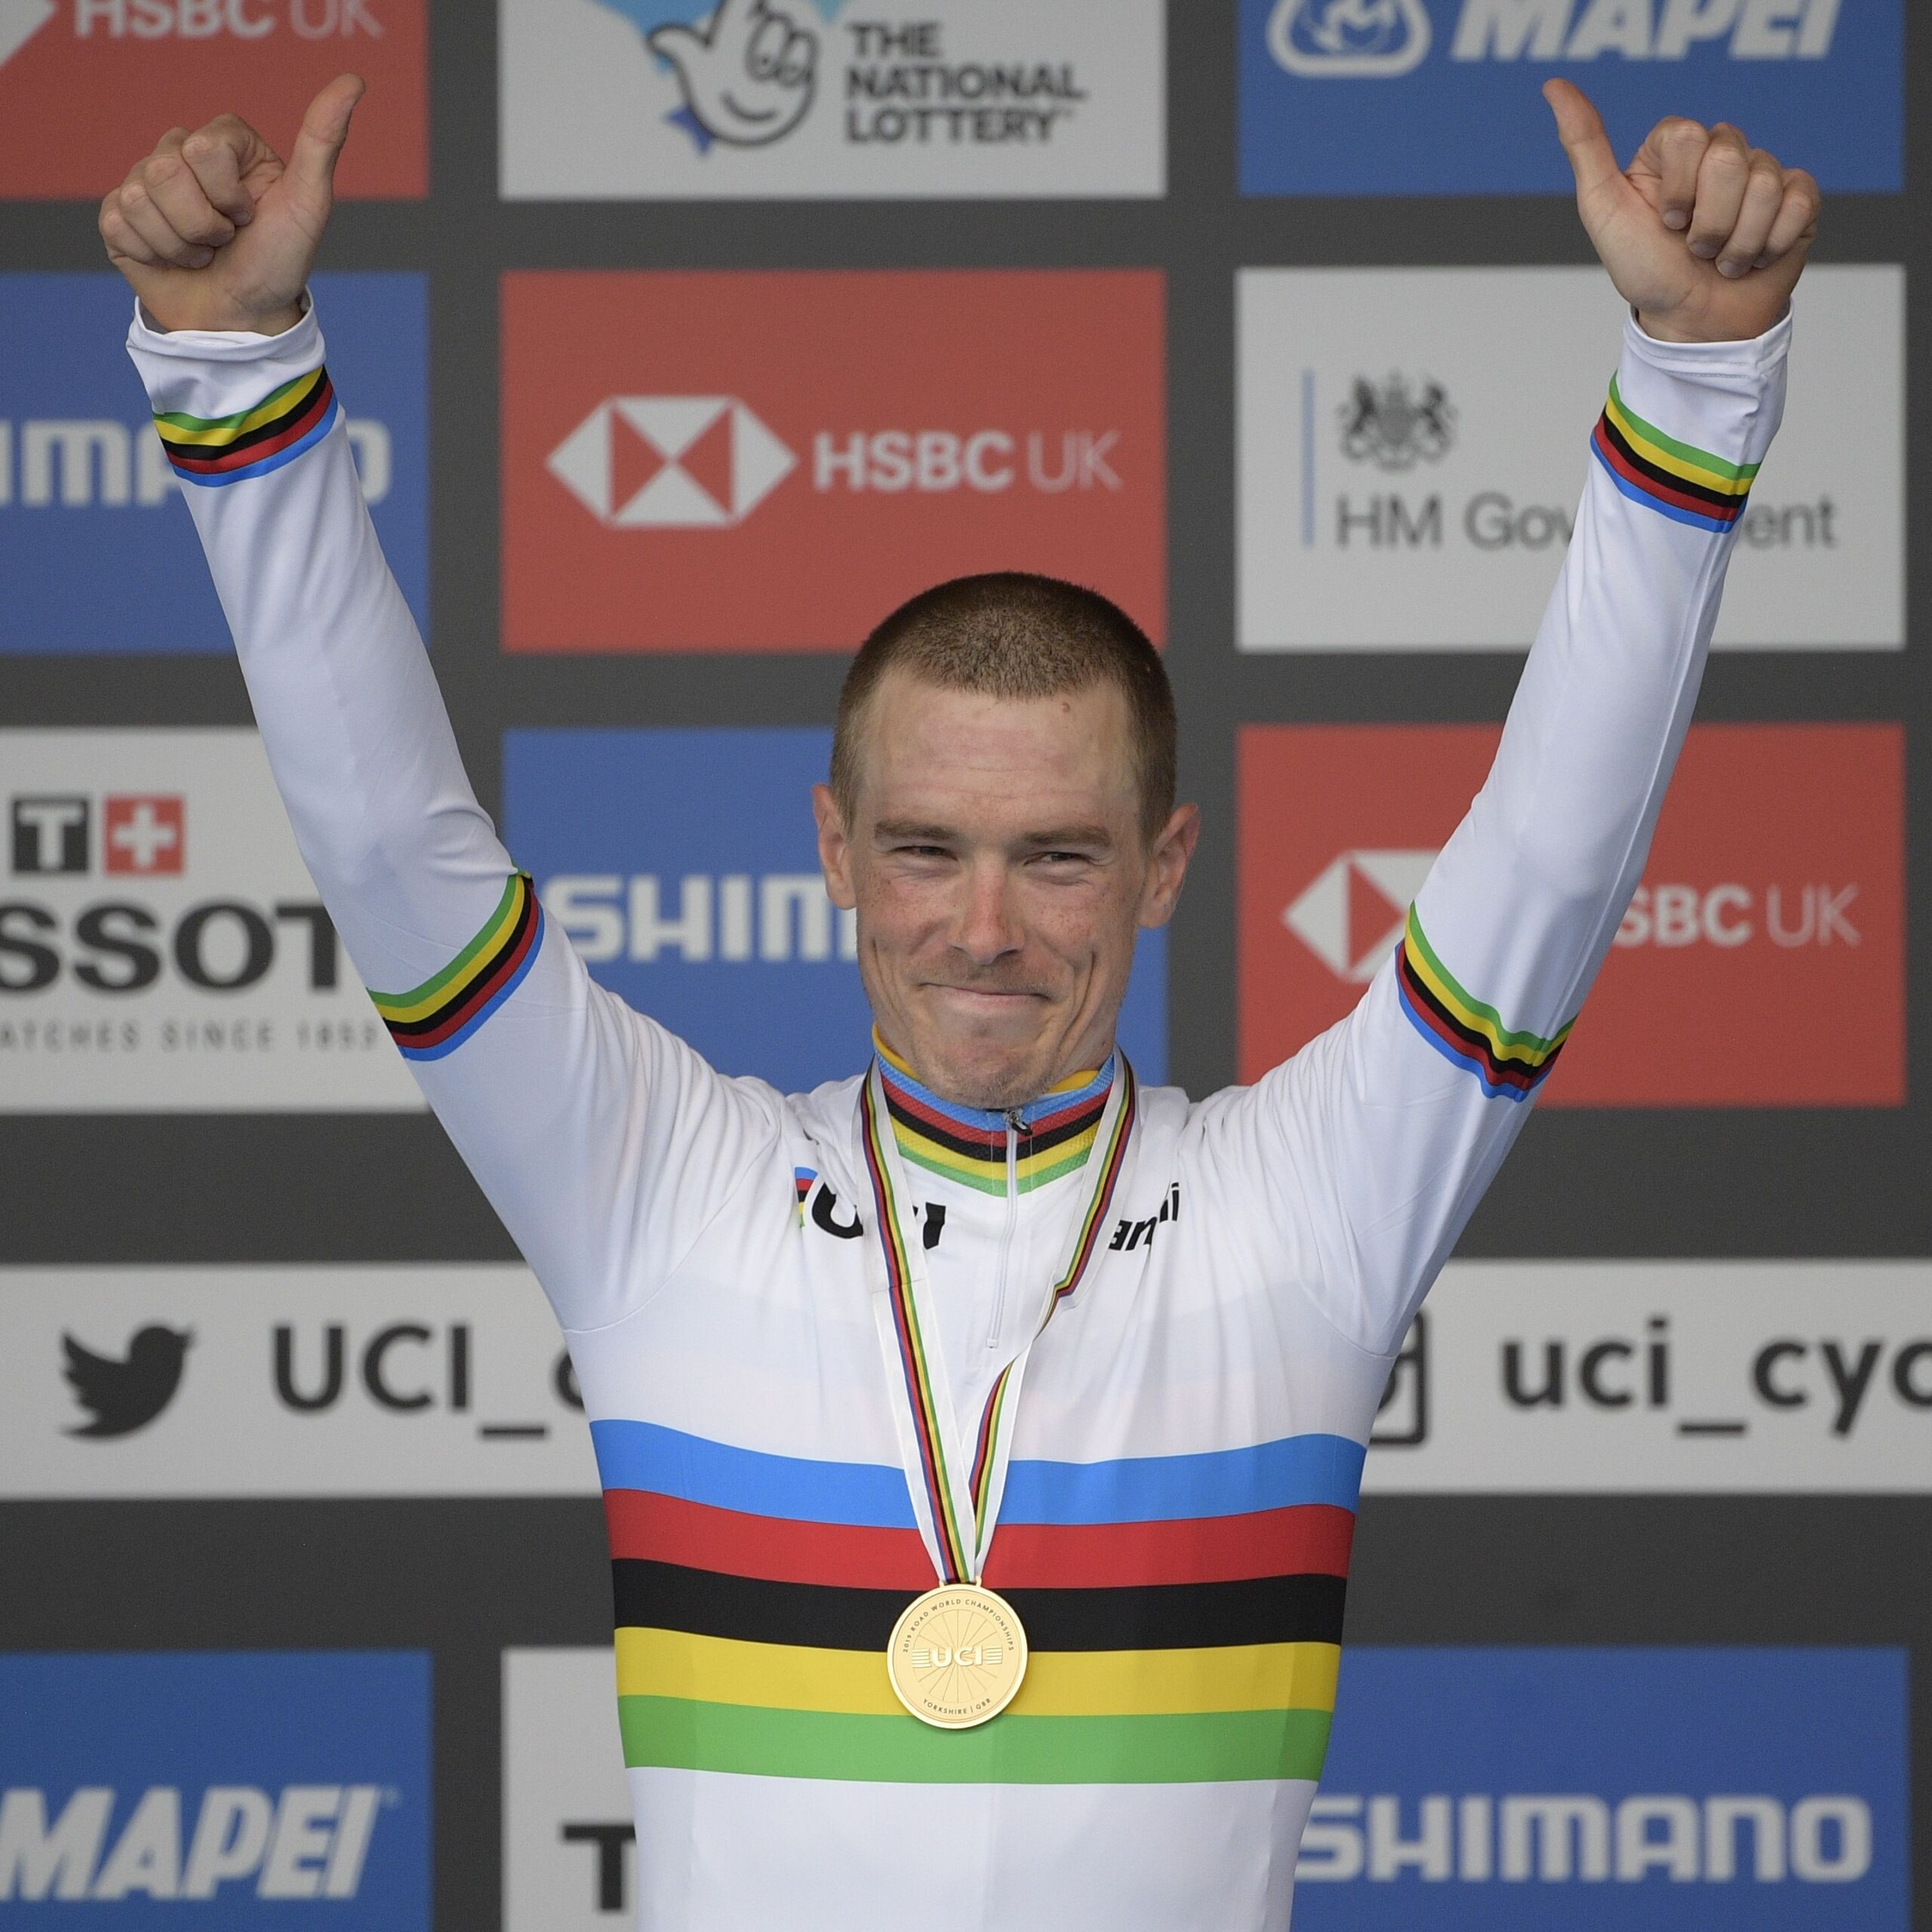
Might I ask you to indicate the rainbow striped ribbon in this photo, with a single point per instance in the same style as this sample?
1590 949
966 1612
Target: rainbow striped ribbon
963 1554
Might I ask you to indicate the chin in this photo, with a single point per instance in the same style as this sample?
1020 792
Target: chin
986 1075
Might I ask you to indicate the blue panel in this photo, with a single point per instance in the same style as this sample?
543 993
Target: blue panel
225 1791
717 805
98 554
1441 96
1612 1791
1293 1472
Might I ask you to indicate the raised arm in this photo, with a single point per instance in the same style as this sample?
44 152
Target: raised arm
605 1144
1375 1142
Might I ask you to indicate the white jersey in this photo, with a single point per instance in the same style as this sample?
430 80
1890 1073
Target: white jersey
1173 1523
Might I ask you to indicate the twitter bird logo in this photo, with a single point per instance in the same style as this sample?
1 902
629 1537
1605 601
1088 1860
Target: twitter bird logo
123 1396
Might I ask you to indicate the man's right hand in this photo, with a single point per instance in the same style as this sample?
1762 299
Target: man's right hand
215 231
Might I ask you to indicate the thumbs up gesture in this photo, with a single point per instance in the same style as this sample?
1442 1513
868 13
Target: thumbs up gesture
215 231
750 78
1703 235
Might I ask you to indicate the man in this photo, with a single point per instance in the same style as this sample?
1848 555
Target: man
902 1642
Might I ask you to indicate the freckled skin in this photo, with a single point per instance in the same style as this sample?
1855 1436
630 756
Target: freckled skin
1001 878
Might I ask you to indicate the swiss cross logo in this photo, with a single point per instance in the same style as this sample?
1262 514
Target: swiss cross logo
143 834
1772 902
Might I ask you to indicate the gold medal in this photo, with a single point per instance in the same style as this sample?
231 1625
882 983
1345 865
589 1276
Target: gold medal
957 1656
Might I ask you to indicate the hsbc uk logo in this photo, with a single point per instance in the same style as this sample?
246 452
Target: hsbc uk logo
1351 917
671 461
54 834
707 461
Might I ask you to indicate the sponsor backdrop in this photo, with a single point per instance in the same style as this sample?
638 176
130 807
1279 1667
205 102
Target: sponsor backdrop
678 340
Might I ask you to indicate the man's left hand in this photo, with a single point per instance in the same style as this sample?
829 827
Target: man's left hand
1704 236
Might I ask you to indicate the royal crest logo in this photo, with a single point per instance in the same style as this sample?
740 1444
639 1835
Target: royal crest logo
1345 39
1397 426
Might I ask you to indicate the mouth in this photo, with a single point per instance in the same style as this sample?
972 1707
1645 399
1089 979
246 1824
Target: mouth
983 999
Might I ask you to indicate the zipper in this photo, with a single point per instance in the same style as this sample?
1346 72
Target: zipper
1012 1225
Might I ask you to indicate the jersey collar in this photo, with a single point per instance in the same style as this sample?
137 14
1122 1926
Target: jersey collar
1056 1133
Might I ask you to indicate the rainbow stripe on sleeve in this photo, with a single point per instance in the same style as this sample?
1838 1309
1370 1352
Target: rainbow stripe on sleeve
1686 484
1510 1065
214 450
1183 1614
436 1017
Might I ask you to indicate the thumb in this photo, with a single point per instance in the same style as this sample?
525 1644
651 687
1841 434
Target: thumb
1579 127
679 45
324 128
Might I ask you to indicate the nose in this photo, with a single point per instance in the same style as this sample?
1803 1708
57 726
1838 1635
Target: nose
987 931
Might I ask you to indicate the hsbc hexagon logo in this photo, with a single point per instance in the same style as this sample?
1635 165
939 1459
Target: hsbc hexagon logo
671 461
19 21
1351 917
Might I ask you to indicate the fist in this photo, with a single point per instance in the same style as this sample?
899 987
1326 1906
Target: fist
215 231
1704 236
749 79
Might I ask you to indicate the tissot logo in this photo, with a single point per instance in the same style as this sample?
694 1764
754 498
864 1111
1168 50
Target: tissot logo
671 463
1774 892
160 943
770 462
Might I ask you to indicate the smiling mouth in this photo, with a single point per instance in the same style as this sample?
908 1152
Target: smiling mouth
746 113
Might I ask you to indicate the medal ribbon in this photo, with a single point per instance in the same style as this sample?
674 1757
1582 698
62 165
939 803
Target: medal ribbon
962 1546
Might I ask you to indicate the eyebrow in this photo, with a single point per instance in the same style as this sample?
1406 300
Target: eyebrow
917 831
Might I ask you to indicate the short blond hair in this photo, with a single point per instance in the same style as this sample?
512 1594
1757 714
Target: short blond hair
1010 634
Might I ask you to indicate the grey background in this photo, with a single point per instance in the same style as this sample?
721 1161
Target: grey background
466 1578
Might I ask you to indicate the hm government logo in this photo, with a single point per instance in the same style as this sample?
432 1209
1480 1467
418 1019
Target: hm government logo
1351 916
1397 426
671 463
1348 39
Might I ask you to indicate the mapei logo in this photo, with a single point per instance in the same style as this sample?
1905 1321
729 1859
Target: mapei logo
1382 39
1352 915
1379 39
304 1841
671 461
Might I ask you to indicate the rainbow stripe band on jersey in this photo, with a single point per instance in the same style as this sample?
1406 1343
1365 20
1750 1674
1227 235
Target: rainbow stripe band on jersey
1687 484
213 450
1465 1031
1183 1613
968 1144
436 1017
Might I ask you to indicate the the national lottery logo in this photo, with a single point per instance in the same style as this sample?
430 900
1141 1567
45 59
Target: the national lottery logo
747 73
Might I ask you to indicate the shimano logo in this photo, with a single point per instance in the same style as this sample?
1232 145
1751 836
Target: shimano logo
776 917
83 463
307 1842
1555 1838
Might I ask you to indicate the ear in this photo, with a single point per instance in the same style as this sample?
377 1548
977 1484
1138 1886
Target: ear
1166 865
834 849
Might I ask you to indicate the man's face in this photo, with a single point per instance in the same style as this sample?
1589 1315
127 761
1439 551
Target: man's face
1000 876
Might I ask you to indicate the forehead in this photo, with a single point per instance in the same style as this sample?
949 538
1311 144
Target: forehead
922 744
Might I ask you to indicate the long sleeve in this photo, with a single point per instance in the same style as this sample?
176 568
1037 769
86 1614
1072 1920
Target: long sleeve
1372 1145
605 1144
